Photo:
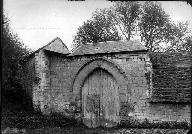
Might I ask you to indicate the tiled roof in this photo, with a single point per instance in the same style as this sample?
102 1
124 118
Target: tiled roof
109 47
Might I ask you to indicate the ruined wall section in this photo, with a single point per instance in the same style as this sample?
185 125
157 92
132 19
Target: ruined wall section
41 84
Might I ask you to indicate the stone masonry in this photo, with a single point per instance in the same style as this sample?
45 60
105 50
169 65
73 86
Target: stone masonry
58 78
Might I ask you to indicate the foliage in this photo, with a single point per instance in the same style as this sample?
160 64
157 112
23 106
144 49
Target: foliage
156 29
180 38
36 122
98 29
171 78
153 25
13 51
110 24
126 16
23 120
126 20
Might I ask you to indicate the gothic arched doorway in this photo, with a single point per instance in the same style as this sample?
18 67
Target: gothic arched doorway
100 99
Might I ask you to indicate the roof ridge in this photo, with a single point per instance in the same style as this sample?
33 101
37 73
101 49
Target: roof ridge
109 47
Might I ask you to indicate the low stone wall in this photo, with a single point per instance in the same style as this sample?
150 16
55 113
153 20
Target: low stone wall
41 83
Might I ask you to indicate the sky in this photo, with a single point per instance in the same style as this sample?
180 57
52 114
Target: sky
37 22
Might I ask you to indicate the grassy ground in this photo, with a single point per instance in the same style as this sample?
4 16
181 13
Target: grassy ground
80 130
51 125
34 123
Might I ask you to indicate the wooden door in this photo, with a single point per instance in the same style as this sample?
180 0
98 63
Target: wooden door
100 100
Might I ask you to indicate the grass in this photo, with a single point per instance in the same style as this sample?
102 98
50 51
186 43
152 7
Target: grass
36 123
58 124
76 130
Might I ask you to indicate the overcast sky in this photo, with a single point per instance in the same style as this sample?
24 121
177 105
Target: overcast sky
38 22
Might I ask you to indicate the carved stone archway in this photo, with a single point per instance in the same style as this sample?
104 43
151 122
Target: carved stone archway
106 64
122 88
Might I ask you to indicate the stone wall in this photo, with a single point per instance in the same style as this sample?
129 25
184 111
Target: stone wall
41 84
135 66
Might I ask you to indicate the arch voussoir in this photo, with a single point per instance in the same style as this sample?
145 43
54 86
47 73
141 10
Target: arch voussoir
102 63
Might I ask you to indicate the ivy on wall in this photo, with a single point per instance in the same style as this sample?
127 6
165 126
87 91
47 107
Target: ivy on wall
171 77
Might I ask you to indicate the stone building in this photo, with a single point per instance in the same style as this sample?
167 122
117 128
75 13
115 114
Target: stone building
100 84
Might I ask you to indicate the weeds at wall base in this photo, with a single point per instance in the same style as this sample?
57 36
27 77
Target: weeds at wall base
146 124
38 120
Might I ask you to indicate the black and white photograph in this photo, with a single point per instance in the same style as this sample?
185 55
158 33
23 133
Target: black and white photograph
96 67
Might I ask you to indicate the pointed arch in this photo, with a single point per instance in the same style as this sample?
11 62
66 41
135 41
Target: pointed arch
106 64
